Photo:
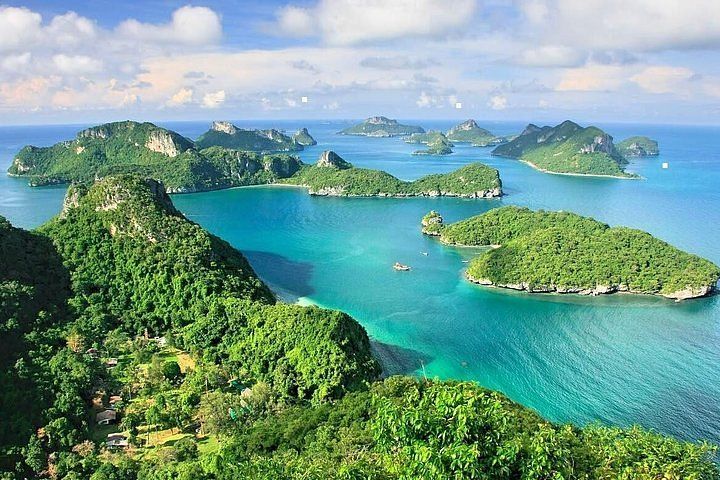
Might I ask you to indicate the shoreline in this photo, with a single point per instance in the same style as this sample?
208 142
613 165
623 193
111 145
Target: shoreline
567 174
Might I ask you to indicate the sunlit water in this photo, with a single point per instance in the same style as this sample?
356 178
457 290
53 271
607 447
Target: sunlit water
616 359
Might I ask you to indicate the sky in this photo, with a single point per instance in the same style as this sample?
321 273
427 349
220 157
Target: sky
648 61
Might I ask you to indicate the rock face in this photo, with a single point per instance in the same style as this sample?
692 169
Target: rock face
638 147
465 126
601 143
380 126
330 159
470 132
162 142
380 120
224 127
432 223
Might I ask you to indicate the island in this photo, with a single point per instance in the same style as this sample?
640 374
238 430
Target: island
331 175
470 132
225 134
122 308
303 137
381 127
437 143
567 149
148 150
562 252
638 146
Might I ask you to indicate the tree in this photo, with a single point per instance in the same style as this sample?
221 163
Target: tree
171 371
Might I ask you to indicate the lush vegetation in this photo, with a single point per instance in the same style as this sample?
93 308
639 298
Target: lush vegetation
381 127
638 147
567 148
341 178
440 146
565 252
470 132
239 386
223 134
433 136
147 150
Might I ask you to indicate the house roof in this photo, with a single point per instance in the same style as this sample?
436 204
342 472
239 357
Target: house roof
106 415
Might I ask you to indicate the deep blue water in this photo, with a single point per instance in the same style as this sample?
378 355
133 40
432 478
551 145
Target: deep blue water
616 359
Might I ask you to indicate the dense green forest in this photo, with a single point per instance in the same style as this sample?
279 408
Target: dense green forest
638 146
565 252
121 299
474 180
567 148
381 127
147 150
225 134
470 132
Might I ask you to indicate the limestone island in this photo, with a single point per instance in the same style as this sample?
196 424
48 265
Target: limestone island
470 132
562 252
638 147
151 151
333 176
567 149
381 127
225 134
303 137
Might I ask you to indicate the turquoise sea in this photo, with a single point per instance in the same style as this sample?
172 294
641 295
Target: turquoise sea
617 359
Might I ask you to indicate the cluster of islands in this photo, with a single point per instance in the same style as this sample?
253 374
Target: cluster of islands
549 252
137 345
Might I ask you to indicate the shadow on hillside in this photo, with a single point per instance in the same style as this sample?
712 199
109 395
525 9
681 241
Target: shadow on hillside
398 360
289 279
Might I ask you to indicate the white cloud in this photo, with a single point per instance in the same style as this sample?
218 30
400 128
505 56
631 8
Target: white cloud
592 78
181 97
189 26
76 64
20 27
349 22
639 25
663 79
551 56
498 102
213 99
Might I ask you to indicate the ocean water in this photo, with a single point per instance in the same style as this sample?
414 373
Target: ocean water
617 359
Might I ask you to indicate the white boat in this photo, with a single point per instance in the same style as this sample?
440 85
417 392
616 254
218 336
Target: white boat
400 267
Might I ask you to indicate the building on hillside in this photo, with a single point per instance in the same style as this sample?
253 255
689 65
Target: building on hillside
106 417
117 440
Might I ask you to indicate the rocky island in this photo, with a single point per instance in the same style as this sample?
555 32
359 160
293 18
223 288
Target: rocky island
381 127
148 150
562 252
470 132
333 176
638 147
303 137
437 143
225 134
568 149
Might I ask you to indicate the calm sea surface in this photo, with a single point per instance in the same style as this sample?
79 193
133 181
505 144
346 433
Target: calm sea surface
617 359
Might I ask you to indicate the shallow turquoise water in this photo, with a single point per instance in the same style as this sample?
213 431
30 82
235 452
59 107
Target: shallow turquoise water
617 359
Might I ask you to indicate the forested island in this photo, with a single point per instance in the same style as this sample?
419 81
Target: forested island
333 176
567 148
225 134
539 251
381 127
437 143
638 146
151 151
470 132
121 309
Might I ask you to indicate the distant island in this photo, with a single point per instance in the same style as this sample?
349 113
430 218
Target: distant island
638 147
333 176
225 134
148 150
381 127
470 132
562 252
303 137
567 148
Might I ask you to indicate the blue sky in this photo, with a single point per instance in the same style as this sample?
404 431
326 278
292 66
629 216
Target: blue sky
534 60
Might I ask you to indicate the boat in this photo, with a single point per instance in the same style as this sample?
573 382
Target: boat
466 261
400 267
424 253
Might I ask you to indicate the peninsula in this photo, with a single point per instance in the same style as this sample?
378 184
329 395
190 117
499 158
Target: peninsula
567 148
539 251
381 127
333 176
